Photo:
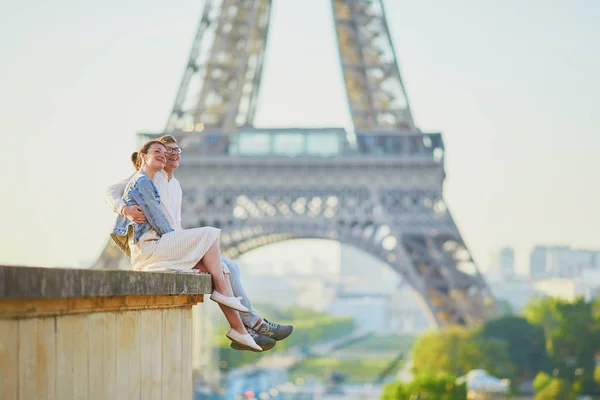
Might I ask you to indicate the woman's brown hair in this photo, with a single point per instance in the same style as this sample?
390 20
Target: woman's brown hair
136 159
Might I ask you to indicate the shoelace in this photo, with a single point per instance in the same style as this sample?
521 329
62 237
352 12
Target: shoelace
270 327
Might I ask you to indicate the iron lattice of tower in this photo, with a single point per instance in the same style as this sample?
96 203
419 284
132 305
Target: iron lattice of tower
378 188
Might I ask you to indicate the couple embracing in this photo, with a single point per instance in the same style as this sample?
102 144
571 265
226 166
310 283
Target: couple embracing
148 230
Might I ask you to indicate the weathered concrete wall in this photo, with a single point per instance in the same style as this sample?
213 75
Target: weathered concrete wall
93 334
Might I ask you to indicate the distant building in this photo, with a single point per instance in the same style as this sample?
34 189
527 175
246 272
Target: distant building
368 311
586 259
272 289
502 265
401 312
586 285
374 295
517 292
561 262
590 282
360 272
506 262
407 314
314 294
563 288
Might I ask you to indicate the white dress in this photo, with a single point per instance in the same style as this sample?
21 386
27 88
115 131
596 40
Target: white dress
179 250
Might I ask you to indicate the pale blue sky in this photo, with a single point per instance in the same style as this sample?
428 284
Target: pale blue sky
512 85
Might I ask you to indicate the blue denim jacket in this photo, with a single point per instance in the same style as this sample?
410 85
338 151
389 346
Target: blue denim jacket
140 191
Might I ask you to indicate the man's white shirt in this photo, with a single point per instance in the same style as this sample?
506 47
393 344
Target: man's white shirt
169 191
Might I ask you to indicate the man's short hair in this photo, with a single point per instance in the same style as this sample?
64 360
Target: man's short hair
167 139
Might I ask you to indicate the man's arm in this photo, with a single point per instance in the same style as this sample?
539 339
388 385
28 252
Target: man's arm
142 194
114 195
114 198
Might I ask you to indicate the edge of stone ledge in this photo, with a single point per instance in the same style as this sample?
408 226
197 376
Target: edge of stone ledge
37 282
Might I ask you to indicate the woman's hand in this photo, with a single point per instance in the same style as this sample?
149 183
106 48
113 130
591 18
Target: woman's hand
134 214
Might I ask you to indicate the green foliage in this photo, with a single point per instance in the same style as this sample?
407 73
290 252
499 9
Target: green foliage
542 311
596 309
438 386
393 344
572 337
541 380
457 350
526 344
549 388
503 307
364 370
309 327
288 314
319 328
554 335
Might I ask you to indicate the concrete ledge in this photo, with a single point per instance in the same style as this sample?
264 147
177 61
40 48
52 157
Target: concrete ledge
97 334
44 307
35 282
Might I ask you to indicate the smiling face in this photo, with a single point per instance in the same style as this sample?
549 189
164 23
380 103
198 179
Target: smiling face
173 153
155 156
173 156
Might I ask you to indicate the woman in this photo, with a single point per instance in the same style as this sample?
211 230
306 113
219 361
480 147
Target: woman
154 245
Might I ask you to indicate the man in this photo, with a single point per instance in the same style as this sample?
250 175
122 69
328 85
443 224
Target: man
264 333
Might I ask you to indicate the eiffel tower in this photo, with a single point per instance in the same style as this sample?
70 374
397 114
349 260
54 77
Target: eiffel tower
378 187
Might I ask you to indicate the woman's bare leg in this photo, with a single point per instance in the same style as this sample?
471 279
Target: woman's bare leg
211 263
200 266
203 268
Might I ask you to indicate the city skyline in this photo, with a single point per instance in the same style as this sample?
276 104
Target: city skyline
520 143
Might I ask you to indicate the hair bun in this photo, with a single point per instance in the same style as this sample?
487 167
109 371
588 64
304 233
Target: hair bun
134 159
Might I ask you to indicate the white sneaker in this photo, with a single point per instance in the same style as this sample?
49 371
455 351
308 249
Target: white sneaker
245 339
231 302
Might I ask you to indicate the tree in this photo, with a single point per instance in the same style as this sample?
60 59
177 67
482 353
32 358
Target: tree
542 311
596 309
503 307
549 388
572 337
426 386
456 351
526 344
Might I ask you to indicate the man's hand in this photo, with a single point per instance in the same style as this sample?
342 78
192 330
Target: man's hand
134 214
